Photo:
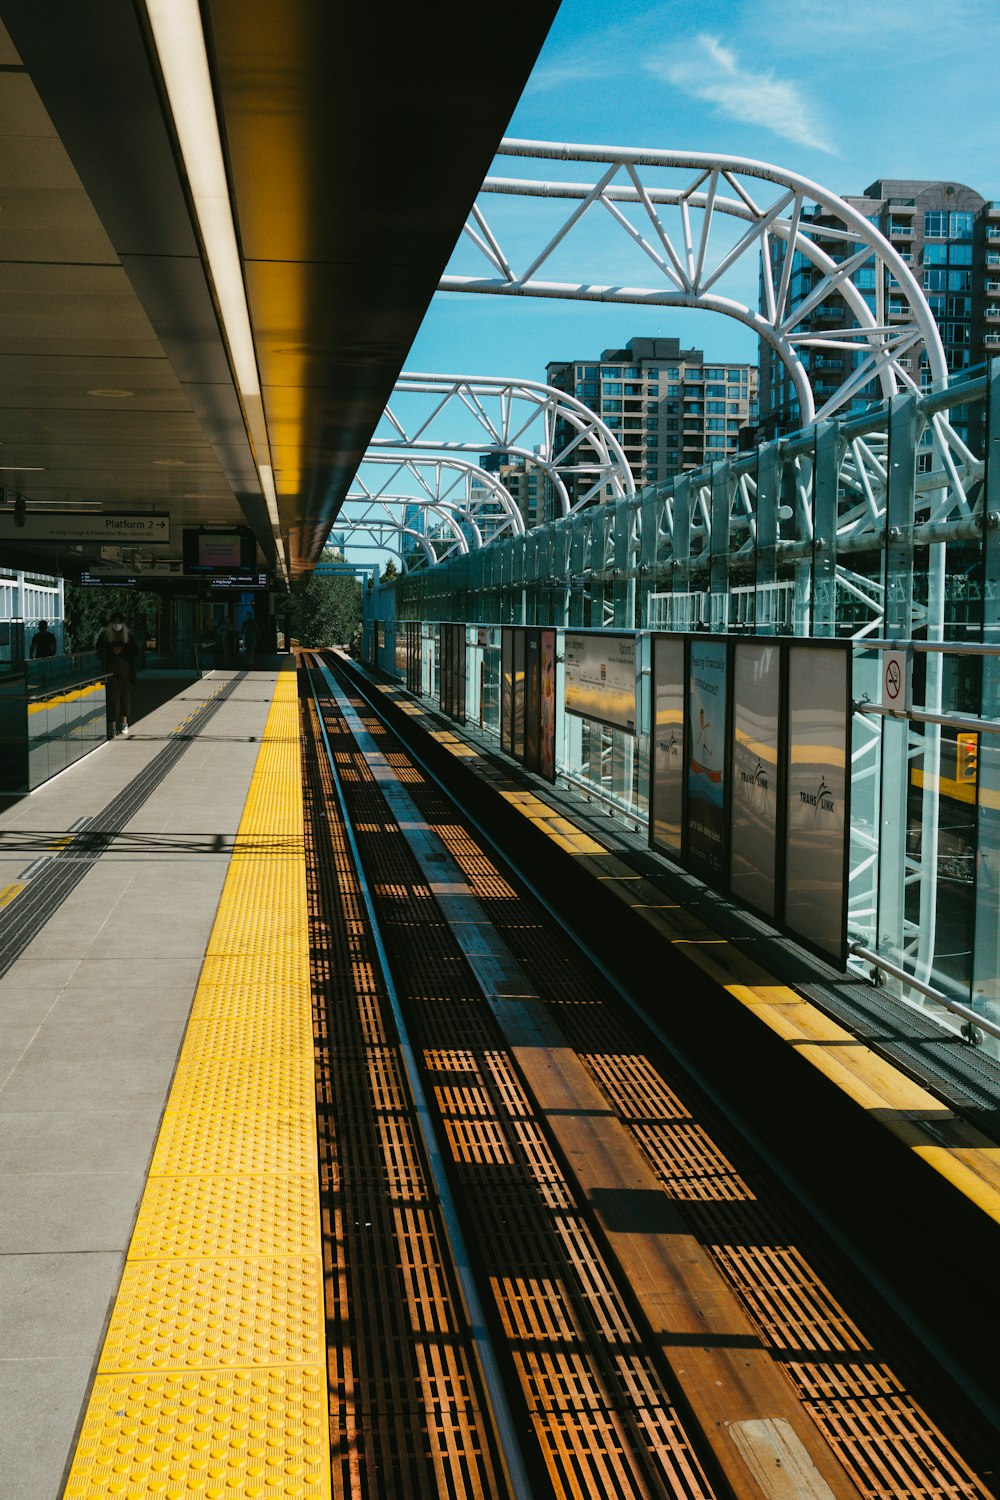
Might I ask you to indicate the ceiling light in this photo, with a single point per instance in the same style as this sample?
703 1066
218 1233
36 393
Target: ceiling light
180 46
109 391
23 468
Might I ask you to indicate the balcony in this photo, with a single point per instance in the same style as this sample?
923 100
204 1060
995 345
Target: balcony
898 309
993 210
901 231
993 232
991 338
992 315
993 289
993 258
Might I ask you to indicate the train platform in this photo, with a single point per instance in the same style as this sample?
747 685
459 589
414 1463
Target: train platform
161 1277
113 877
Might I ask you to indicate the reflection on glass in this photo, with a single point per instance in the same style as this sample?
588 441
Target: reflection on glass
756 700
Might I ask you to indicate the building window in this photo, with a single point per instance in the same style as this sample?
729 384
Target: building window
611 372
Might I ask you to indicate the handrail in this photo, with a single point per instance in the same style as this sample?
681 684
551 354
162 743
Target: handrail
938 996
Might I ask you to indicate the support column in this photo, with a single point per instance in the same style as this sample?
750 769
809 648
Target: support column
719 553
826 470
986 946
898 626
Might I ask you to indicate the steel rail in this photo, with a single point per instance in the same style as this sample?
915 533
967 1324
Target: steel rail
802 1189
505 1428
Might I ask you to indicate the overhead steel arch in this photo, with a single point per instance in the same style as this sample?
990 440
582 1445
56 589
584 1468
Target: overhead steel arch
451 529
477 496
668 204
572 441
382 537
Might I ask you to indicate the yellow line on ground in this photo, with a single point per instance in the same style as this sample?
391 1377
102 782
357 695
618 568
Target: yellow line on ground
212 1383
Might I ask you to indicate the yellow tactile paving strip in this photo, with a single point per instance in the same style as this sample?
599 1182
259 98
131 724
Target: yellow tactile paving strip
212 1383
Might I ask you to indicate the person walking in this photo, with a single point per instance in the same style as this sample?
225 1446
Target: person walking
250 638
43 642
117 652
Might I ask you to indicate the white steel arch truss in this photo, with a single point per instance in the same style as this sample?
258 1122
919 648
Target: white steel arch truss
577 452
669 204
477 497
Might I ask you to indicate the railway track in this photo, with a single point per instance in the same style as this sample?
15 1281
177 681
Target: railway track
550 1270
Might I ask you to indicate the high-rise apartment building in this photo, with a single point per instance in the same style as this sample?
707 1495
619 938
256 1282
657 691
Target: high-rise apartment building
525 482
950 236
669 409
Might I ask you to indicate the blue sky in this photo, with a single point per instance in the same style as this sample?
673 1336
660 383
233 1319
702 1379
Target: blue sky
839 91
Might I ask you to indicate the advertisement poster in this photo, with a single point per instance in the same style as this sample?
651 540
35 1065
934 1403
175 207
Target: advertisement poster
753 819
667 799
507 690
517 746
600 678
444 683
532 698
818 724
547 727
706 760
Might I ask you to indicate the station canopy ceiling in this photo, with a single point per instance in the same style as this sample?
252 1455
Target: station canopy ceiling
354 138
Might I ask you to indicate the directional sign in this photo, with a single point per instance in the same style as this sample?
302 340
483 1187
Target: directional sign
79 526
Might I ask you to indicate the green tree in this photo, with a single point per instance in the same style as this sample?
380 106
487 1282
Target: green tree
325 610
390 571
87 610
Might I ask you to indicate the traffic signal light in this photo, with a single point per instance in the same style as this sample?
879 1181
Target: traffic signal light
967 757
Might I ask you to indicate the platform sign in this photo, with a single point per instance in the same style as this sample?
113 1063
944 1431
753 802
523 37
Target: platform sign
137 530
667 789
706 757
754 809
600 678
816 796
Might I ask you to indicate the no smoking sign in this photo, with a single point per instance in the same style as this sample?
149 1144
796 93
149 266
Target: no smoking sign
896 680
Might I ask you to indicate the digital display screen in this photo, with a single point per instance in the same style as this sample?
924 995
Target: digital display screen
219 552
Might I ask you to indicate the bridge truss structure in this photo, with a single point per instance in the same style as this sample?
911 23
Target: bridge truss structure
521 420
867 528
881 527
457 504
705 227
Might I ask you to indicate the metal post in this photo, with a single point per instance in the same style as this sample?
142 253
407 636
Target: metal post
898 620
719 555
826 471
768 490
986 945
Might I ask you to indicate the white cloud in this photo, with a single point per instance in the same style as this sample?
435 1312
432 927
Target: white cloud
713 73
